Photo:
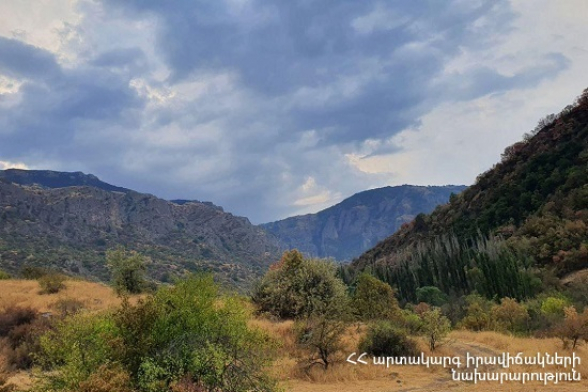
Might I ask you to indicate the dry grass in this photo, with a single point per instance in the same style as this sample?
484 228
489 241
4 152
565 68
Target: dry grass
93 296
345 377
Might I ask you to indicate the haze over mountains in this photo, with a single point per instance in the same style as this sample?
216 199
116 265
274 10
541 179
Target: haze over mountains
68 220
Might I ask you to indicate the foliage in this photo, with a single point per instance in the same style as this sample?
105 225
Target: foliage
573 328
385 339
127 270
477 317
298 287
321 337
431 295
32 272
51 283
435 327
186 332
374 299
4 275
510 315
21 327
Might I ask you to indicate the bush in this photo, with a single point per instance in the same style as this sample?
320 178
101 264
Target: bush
374 299
384 339
21 328
187 332
573 328
297 287
14 316
510 315
68 306
51 283
435 327
32 273
4 275
431 295
127 270
321 332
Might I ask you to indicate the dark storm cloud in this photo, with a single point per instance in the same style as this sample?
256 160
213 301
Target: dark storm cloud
281 47
58 107
20 60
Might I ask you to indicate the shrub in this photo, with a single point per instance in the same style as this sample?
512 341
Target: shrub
321 332
14 316
68 306
127 270
374 299
32 272
510 315
573 328
435 327
298 287
186 332
431 295
51 283
384 339
477 317
21 328
4 275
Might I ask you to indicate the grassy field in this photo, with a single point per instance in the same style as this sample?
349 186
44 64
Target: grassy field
342 376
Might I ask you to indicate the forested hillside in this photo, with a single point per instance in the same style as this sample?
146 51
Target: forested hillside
523 221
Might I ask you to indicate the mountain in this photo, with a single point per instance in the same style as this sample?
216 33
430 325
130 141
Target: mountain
55 179
45 221
347 229
522 222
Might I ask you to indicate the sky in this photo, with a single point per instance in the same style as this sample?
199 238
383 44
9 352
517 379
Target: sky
276 108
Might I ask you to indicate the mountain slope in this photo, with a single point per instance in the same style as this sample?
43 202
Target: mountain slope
345 230
533 206
71 227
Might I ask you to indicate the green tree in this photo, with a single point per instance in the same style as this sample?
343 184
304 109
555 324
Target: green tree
188 333
435 327
374 299
431 295
297 287
127 270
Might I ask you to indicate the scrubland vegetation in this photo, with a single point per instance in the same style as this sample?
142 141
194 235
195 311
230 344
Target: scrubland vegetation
294 332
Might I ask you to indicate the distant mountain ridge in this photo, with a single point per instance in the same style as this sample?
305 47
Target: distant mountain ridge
48 219
56 179
349 228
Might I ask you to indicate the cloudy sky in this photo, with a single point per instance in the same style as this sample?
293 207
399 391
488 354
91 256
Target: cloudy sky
272 108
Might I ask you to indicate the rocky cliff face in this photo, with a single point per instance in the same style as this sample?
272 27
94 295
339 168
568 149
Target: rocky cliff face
349 228
74 225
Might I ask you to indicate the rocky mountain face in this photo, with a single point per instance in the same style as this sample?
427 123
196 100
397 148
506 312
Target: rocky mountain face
349 228
47 222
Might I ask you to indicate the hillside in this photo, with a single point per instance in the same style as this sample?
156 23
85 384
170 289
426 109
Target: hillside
347 229
71 227
526 216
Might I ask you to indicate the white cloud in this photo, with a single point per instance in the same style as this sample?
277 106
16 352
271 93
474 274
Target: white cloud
12 165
